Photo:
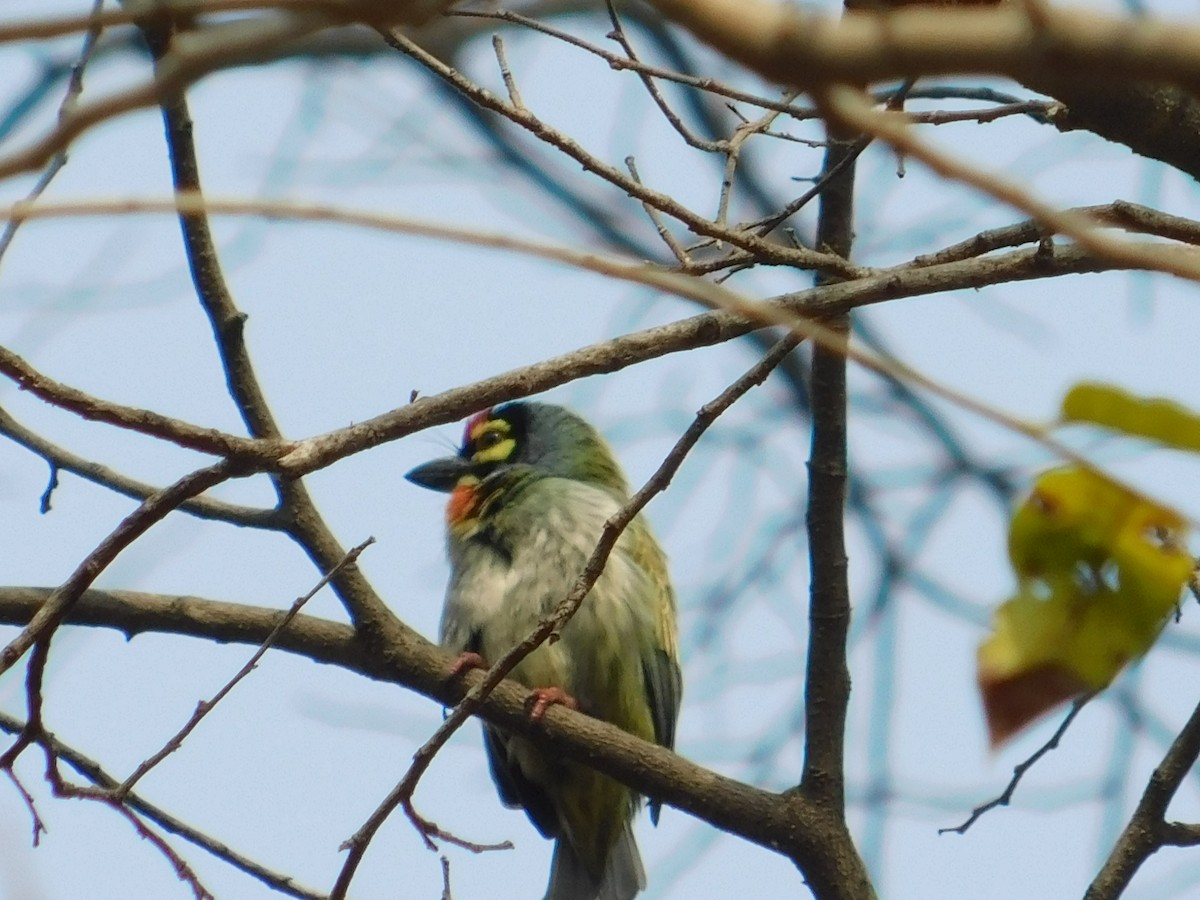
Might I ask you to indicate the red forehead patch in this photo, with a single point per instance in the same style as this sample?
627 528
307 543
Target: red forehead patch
474 422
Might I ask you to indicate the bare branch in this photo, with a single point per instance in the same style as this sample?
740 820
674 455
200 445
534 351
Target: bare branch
1180 834
851 106
71 96
691 139
767 251
59 458
1019 771
65 789
39 827
660 226
626 63
93 772
733 149
206 706
1119 214
415 663
510 84
1146 830
827 676
58 604
793 46
143 421
736 316
206 51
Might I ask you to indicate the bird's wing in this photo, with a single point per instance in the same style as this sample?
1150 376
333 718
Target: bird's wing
660 667
515 789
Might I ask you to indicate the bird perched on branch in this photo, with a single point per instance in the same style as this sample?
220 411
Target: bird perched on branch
530 491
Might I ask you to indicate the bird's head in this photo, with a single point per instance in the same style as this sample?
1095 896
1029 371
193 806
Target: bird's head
537 439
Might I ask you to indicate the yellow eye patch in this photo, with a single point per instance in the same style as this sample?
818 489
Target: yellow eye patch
492 441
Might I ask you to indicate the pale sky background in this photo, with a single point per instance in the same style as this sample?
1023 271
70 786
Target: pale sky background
344 323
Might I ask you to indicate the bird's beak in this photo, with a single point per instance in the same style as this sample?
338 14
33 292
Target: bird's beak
440 474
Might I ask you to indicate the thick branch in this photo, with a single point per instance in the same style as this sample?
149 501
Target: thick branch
827 676
227 321
703 330
1157 121
1146 830
786 824
827 682
789 45
143 421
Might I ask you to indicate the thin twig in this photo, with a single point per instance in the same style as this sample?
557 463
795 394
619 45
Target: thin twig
620 63
733 150
1019 771
829 173
618 34
1036 109
742 238
62 788
60 459
852 107
93 772
133 526
656 218
1132 217
510 83
204 707
39 827
74 89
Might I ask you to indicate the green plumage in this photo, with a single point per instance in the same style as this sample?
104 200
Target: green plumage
533 486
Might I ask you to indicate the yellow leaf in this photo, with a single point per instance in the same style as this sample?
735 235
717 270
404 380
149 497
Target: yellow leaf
1157 419
1099 570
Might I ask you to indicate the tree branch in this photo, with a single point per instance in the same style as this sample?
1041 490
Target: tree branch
792 46
780 822
1146 831
58 605
95 773
143 421
60 458
827 676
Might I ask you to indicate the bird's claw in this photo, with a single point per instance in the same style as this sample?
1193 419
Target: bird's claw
541 699
466 662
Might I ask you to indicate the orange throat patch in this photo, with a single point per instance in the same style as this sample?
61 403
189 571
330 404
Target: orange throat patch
464 500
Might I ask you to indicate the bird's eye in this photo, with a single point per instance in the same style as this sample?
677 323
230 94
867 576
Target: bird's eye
489 439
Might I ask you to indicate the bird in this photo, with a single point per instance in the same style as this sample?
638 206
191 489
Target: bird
531 488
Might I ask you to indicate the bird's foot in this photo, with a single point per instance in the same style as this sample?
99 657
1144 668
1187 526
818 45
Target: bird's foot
466 662
541 699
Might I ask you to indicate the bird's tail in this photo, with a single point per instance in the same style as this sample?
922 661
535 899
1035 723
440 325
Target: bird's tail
623 876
